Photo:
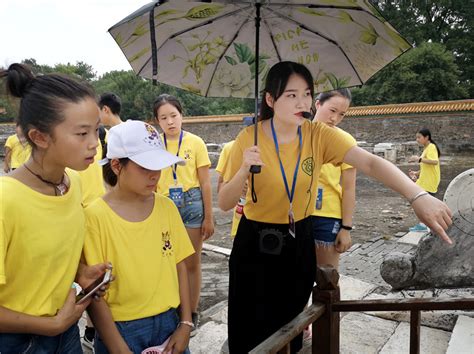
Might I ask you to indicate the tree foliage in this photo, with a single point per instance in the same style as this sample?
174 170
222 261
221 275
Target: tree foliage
426 73
448 22
138 95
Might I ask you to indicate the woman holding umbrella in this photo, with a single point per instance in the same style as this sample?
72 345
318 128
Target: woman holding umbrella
272 265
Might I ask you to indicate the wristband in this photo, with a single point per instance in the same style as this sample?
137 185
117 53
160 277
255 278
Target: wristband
348 228
412 199
187 323
419 160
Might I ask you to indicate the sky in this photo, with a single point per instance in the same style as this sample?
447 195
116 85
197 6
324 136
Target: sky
63 31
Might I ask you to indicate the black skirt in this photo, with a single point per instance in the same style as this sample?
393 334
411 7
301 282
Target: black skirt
268 288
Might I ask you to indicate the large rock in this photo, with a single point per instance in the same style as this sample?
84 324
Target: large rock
437 264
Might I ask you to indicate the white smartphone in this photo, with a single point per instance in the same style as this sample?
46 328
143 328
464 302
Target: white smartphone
94 287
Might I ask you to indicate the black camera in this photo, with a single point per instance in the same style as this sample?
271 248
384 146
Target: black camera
271 241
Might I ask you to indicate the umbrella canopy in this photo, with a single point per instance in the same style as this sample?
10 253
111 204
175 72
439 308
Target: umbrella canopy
209 47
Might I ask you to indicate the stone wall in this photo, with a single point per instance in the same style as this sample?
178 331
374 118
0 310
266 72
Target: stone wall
454 132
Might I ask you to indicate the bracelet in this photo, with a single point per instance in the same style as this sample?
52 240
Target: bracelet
348 228
187 323
420 194
419 160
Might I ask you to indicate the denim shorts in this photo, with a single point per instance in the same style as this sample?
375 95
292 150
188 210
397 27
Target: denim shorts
192 212
325 230
143 333
67 342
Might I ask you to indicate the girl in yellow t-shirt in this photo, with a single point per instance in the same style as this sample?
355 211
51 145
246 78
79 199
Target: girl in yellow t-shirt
143 236
189 186
429 175
335 200
272 264
40 253
17 150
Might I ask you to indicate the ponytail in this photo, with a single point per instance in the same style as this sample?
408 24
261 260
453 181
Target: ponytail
43 97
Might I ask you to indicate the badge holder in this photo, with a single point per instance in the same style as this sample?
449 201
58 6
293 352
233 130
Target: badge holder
291 223
319 199
177 195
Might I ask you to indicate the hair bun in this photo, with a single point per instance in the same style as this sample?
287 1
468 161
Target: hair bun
19 78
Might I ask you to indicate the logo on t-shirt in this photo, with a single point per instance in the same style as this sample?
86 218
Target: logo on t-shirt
167 249
308 166
188 154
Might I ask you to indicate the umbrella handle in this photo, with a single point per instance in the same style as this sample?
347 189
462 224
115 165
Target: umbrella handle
255 169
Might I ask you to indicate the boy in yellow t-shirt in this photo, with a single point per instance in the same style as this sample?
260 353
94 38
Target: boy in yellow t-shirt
141 233
17 150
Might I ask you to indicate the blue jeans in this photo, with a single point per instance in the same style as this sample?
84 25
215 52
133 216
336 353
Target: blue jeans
192 213
144 333
68 342
325 230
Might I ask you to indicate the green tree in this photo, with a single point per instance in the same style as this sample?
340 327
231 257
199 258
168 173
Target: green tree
426 73
138 95
450 22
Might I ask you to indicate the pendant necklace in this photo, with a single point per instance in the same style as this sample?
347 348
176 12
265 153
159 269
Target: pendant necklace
60 187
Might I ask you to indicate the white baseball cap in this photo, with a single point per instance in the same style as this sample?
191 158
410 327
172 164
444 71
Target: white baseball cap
141 143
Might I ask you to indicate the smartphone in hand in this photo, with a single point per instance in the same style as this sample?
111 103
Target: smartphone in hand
94 287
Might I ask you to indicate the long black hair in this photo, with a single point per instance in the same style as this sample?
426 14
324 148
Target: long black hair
276 82
426 133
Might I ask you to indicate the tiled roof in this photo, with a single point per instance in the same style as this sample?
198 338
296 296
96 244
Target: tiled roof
412 108
389 109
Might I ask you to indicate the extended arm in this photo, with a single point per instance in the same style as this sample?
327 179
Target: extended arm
431 211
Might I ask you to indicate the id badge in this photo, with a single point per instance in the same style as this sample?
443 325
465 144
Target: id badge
177 195
319 199
291 224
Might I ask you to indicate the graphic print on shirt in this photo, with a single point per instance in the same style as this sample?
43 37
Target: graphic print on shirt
308 166
167 249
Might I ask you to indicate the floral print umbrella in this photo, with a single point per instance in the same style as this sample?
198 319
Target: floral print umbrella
208 47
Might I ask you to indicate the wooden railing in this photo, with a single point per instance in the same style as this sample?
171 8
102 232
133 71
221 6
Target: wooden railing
324 314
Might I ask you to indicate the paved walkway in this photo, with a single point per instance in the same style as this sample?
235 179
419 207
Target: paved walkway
362 261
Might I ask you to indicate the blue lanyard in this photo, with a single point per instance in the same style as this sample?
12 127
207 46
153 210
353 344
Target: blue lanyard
175 166
275 140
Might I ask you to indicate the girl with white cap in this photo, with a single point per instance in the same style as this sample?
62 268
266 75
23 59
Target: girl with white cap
142 234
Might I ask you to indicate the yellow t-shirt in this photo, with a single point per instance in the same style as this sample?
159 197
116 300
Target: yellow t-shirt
143 255
20 152
223 158
41 239
430 175
321 144
193 150
330 182
92 180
